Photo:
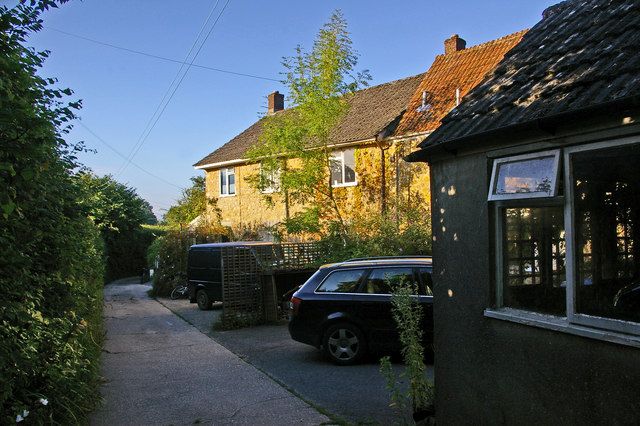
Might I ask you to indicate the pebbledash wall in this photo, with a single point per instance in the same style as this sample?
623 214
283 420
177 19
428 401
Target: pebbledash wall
249 208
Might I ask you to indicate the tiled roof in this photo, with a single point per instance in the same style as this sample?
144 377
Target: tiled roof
461 70
370 111
583 53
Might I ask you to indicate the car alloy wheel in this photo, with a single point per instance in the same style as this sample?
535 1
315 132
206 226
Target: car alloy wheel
344 344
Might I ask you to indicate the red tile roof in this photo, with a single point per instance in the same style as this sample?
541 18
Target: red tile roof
463 70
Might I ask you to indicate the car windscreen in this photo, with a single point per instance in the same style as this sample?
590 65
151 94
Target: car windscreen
345 281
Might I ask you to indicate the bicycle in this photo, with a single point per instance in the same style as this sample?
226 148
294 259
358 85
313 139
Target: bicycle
181 291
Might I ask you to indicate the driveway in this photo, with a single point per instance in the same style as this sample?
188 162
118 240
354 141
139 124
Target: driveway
355 394
161 370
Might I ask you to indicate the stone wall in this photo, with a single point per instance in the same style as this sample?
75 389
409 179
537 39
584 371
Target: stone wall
406 184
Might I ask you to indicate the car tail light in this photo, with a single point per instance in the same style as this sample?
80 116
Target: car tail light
294 304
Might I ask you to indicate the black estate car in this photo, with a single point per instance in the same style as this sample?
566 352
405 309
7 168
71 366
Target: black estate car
345 308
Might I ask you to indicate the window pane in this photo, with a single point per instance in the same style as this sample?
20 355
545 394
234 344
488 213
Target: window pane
349 166
223 182
231 177
269 180
534 175
607 211
384 280
534 259
342 281
425 274
336 170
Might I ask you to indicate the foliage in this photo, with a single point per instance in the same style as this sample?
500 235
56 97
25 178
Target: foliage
379 236
119 213
50 253
408 314
295 144
192 204
112 205
168 255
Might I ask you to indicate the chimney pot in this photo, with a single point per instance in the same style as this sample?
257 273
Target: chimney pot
276 102
454 44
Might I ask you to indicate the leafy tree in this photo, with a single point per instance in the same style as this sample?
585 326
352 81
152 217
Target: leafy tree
50 253
119 213
296 144
112 205
192 204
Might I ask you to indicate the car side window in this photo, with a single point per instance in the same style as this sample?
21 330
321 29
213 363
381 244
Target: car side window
383 280
425 276
341 281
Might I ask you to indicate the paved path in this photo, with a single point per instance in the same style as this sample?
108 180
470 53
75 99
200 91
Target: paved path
160 370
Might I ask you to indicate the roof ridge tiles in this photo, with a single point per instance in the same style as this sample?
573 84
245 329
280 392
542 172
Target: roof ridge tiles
484 45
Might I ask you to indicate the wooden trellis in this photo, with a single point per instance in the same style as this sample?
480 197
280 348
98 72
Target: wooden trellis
247 277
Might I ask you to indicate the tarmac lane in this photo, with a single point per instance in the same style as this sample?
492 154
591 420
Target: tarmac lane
161 370
351 395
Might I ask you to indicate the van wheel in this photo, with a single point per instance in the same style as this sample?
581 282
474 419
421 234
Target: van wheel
204 302
344 344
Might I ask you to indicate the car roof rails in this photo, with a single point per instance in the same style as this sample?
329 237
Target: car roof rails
359 259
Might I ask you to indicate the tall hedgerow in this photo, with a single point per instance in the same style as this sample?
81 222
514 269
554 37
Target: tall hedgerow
50 253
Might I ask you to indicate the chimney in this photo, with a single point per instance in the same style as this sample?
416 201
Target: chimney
276 102
454 44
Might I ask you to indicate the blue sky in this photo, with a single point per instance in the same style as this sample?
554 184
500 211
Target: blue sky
121 90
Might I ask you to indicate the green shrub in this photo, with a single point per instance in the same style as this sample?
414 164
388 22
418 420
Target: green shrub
378 236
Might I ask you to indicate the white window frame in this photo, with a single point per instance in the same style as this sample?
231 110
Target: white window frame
339 156
601 328
224 185
275 180
569 224
526 195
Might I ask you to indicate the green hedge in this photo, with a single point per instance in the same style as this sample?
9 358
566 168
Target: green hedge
51 255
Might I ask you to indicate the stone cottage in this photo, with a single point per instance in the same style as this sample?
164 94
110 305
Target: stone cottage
382 125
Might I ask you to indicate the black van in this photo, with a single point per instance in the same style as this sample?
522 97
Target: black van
205 271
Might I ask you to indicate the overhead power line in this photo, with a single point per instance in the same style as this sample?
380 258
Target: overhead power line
163 58
108 145
145 134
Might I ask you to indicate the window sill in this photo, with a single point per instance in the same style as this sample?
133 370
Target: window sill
343 185
551 322
226 195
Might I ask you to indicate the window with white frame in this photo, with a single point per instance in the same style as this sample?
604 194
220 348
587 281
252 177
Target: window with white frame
227 181
269 180
343 168
567 242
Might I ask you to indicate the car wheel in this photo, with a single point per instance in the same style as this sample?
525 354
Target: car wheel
344 344
204 302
